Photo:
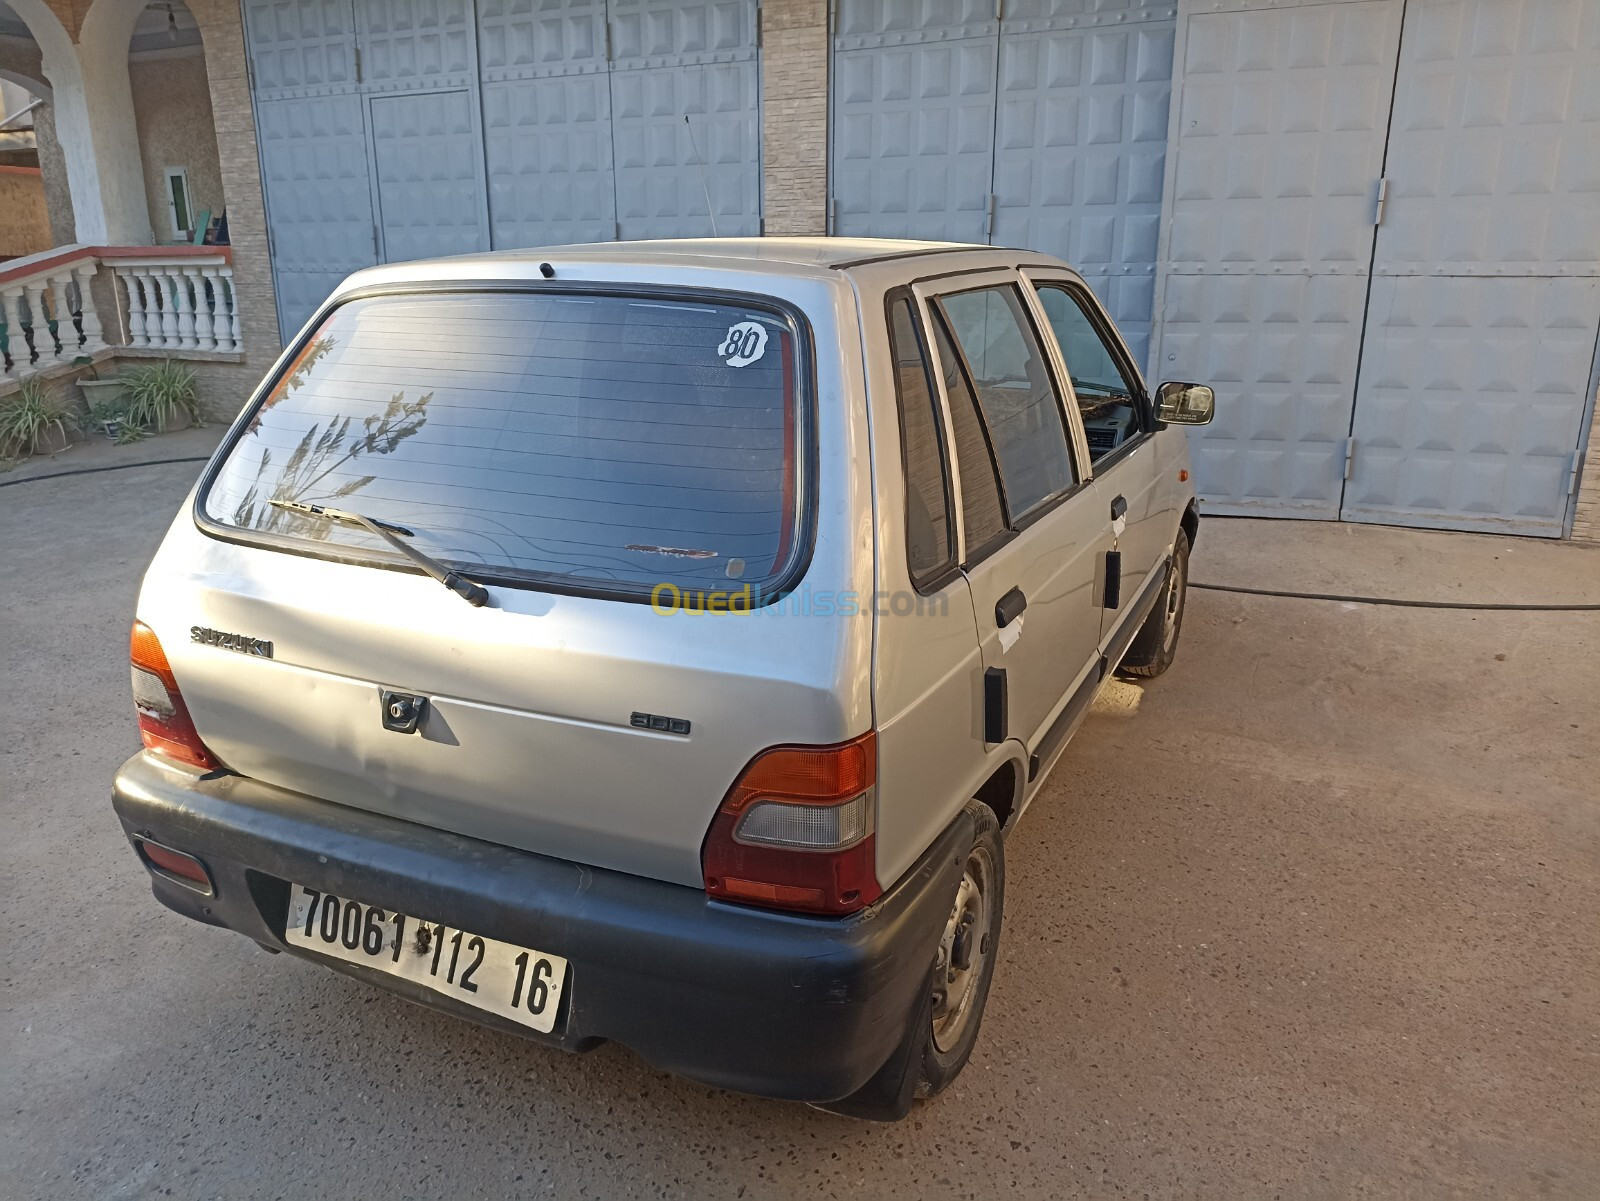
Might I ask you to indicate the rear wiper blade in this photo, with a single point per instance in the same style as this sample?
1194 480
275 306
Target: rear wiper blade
475 595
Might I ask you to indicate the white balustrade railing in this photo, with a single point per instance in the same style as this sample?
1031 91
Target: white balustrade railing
176 301
47 311
180 304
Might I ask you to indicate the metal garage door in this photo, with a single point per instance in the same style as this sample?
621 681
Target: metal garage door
1384 251
312 133
1033 123
394 130
1485 301
1276 154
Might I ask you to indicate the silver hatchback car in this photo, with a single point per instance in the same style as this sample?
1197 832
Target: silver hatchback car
776 574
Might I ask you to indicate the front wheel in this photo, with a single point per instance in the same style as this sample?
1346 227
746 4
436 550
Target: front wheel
943 1024
1156 644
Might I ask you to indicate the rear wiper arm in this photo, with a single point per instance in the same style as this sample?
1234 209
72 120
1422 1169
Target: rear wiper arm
475 595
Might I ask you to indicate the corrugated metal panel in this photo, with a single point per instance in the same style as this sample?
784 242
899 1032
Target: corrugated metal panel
1081 141
429 173
913 119
1279 144
1495 144
526 125
1045 129
1486 306
1280 352
1471 401
416 43
669 62
547 119
312 137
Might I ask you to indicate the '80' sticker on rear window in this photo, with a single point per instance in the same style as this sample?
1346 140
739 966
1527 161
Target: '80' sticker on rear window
745 343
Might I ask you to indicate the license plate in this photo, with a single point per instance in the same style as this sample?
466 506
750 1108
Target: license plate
515 982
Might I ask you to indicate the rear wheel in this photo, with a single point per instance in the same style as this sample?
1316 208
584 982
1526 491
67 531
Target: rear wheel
943 1025
963 966
1156 644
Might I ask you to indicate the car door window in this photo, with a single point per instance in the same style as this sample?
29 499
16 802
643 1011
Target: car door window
1107 399
930 529
1018 400
983 516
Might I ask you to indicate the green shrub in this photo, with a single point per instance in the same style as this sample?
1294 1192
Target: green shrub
30 413
160 392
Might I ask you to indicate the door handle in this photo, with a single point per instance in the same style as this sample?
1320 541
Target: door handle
1009 607
1119 507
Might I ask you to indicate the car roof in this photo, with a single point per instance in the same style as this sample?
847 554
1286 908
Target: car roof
799 252
876 258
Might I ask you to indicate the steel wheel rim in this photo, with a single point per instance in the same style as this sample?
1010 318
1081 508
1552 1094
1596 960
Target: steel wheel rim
964 950
1177 586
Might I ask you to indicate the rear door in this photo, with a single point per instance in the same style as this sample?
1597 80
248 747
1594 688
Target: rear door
1032 530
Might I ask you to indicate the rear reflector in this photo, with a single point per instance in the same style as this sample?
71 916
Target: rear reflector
164 721
185 869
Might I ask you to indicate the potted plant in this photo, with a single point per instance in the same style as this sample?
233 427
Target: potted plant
162 396
36 420
108 413
96 391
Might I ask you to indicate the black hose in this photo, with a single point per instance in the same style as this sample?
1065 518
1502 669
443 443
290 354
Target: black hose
56 475
1404 604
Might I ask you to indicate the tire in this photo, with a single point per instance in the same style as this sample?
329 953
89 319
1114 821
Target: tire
1156 644
943 1027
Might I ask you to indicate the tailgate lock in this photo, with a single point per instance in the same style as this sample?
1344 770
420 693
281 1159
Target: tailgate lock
402 711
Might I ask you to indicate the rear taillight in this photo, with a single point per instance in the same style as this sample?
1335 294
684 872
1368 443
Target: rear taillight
796 830
164 721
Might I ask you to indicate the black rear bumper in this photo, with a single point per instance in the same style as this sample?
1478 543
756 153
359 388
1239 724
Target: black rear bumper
798 1008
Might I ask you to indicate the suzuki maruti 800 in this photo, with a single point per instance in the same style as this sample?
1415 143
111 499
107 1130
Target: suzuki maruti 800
657 642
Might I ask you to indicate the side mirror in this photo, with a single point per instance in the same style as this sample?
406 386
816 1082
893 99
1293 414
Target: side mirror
1185 404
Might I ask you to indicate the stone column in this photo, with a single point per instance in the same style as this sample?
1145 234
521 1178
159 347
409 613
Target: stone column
794 116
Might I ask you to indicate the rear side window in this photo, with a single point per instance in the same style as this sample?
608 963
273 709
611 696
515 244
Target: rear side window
930 531
983 516
600 442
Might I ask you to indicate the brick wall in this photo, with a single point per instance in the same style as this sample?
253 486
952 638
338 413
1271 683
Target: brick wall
24 222
794 116
223 36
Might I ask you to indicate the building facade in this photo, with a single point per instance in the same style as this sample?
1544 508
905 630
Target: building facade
1372 225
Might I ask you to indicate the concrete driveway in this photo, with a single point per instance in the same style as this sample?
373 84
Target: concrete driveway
1316 914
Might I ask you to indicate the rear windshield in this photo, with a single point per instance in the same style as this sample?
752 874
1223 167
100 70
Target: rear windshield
605 442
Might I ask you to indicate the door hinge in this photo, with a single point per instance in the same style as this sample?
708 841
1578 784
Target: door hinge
376 258
1349 456
761 226
608 41
1383 195
988 220
833 216
1573 472
358 64
760 12
999 10
833 17
616 231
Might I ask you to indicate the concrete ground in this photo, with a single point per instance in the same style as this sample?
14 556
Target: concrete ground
1315 915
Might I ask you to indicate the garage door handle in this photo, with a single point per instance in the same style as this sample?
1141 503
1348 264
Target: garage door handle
1119 507
1009 607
